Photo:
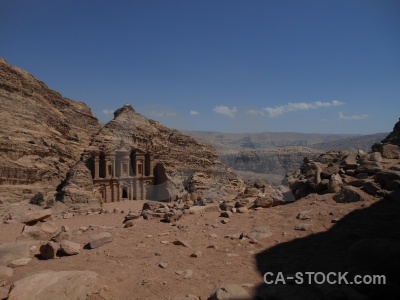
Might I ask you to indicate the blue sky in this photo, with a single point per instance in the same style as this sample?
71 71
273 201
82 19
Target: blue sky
221 65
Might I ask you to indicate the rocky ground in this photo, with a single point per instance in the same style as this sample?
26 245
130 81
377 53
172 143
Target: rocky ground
194 255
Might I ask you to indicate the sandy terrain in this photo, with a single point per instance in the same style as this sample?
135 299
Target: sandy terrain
128 266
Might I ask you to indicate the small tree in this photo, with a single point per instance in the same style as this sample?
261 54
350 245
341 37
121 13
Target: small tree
38 199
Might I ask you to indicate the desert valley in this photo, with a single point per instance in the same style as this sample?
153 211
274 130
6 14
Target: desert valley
132 209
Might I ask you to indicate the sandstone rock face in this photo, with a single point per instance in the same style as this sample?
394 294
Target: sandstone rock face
63 285
180 162
41 137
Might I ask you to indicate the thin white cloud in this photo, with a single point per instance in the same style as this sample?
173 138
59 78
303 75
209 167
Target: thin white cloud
194 113
280 110
255 112
353 117
161 114
107 112
225 110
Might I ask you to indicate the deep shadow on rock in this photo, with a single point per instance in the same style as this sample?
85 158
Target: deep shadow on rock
363 242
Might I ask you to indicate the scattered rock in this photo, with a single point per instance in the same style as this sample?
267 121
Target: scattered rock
347 194
304 215
99 239
264 202
335 183
229 292
226 214
172 216
390 151
19 262
302 227
196 254
329 171
49 250
36 216
260 232
70 248
187 274
242 210
181 243
67 215
163 265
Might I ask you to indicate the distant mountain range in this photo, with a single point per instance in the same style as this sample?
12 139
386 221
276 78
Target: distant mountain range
279 152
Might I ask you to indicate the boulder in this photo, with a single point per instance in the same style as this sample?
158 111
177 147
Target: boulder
264 202
5 274
173 216
371 188
347 194
390 151
19 262
49 250
132 216
375 156
226 206
149 206
350 161
70 248
329 171
99 239
231 291
63 285
226 214
13 251
312 172
61 236
386 176
36 216
335 183
370 167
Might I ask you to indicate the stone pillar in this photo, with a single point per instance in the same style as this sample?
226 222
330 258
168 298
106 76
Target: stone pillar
142 190
131 190
120 193
151 166
113 171
96 166
114 192
137 192
107 194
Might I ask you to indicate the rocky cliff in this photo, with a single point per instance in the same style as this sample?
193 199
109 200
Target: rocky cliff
271 161
42 135
182 164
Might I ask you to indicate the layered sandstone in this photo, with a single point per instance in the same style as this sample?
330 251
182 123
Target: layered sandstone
42 135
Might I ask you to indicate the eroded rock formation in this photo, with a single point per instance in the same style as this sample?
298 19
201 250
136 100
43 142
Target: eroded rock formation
42 135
